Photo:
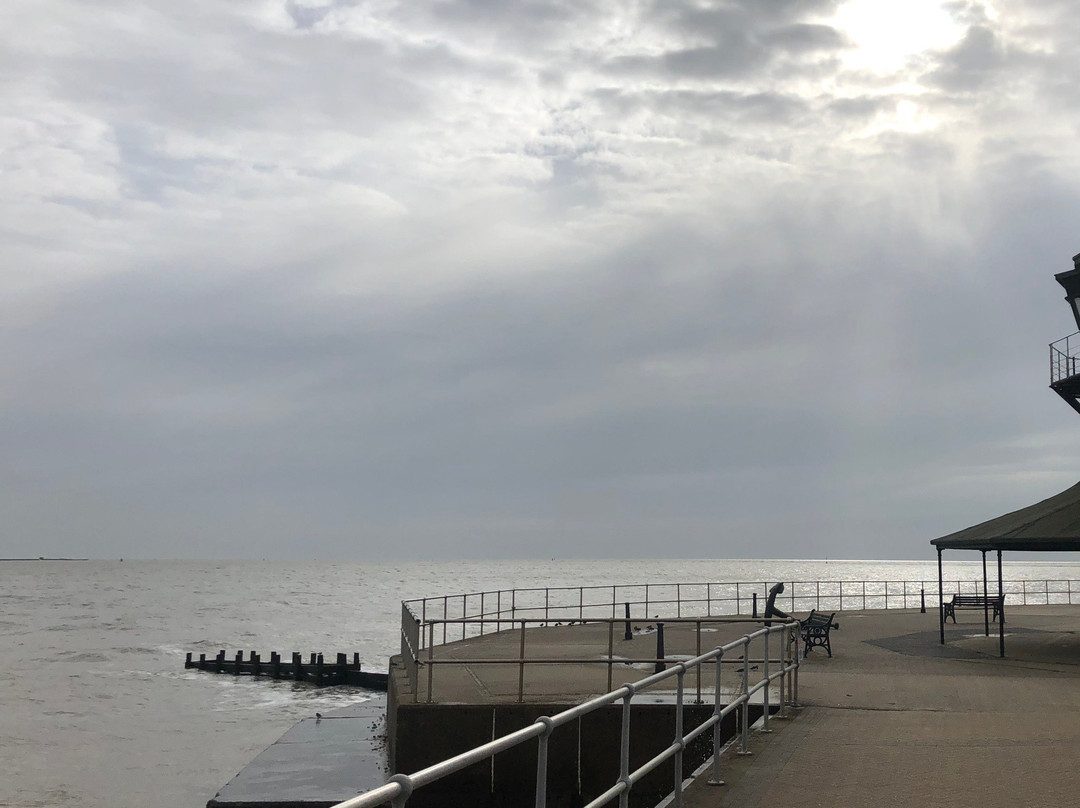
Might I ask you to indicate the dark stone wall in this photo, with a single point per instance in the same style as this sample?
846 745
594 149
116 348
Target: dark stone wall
583 757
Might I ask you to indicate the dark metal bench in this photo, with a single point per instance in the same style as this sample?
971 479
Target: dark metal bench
994 602
815 631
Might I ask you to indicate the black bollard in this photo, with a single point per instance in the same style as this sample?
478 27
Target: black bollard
755 605
202 661
219 660
256 664
297 666
275 662
922 601
628 635
239 662
318 670
187 662
356 660
660 664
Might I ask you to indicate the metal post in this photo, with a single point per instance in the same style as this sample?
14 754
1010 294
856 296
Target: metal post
765 690
798 661
746 697
542 762
660 664
624 752
697 700
430 656
940 598
754 613
677 802
610 651
714 778
785 652
627 635
521 665
922 600
1001 614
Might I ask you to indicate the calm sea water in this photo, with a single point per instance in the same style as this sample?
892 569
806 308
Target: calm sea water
96 709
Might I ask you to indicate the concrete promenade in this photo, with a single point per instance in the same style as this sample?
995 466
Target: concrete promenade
895 719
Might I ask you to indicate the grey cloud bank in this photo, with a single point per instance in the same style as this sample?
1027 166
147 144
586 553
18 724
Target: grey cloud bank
393 280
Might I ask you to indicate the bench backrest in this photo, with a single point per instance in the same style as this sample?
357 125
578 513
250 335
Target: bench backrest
975 600
818 620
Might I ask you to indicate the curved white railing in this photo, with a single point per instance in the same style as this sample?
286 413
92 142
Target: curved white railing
400 787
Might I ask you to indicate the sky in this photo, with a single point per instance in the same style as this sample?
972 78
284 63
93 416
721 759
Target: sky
587 278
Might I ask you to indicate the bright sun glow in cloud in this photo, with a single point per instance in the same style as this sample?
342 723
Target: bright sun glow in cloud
888 32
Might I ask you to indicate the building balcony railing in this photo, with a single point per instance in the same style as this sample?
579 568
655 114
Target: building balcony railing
1064 359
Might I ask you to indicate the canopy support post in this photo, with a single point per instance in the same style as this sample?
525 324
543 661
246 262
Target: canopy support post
986 599
940 598
1001 614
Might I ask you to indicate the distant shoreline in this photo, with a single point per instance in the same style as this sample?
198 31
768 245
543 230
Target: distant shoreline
43 558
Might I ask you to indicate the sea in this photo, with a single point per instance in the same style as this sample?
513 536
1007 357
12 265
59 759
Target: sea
97 710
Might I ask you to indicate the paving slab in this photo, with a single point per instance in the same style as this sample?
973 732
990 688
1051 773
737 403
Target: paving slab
894 719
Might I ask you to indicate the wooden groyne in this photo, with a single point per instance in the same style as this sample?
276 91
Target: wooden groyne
315 671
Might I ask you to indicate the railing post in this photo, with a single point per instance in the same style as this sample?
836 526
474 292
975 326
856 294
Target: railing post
660 664
610 651
677 802
624 752
542 761
628 635
746 697
765 690
521 665
785 651
922 600
430 656
714 778
698 653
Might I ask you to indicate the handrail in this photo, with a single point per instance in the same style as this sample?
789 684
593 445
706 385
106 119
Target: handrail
401 786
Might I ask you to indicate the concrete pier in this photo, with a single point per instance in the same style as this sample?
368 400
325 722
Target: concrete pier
893 718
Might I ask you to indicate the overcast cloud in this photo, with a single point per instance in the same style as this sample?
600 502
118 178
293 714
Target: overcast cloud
378 279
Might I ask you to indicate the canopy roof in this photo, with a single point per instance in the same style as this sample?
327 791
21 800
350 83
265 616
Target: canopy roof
1053 524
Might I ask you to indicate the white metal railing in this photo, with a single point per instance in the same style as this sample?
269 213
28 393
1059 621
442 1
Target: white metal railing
428 623
400 787
478 612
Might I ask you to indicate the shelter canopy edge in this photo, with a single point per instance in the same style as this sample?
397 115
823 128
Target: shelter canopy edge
1050 525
